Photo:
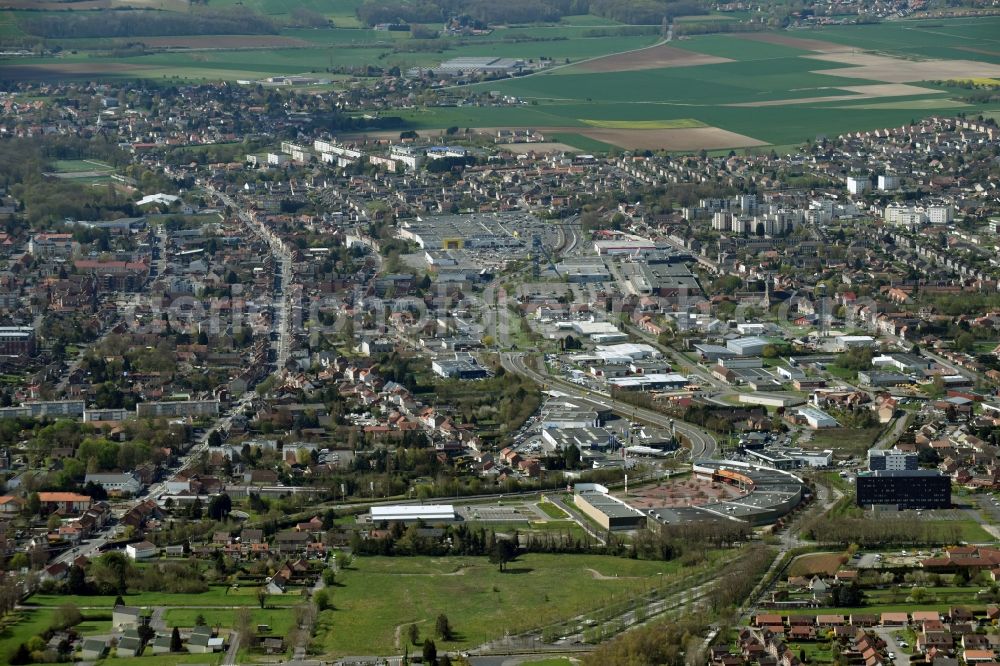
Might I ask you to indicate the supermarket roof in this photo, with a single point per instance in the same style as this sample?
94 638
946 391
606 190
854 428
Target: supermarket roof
427 512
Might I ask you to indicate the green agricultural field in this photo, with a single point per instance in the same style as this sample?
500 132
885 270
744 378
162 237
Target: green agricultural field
684 87
9 26
930 39
914 104
589 20
577 48
378 595
679 123
582 142
669 98
731 46
341 12
760 72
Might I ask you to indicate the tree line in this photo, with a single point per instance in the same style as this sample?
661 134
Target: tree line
373 12
643 12
689 542
678 640
127 23
867 533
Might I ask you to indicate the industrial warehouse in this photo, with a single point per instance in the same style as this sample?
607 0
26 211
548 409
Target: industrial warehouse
607 511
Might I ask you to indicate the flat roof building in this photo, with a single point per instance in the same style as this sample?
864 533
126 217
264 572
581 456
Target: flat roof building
904 489
750 346
817 418
769 495
879 459
609 512
400 513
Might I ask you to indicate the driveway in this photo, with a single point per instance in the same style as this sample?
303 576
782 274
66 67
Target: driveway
902 659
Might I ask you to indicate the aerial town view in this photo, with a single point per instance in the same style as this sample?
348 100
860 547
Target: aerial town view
518 333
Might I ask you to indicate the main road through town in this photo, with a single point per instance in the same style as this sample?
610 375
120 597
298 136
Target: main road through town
703 444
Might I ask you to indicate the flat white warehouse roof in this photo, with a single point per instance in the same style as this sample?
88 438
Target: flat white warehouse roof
428 512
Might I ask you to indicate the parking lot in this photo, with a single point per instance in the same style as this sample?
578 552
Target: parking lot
499 514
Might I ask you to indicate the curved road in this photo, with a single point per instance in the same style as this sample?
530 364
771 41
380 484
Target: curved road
703 444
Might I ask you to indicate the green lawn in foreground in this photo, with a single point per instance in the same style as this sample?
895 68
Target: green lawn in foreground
94 622
19 627
215 596
379 594
279 619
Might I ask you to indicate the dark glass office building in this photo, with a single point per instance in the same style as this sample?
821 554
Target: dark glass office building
904 489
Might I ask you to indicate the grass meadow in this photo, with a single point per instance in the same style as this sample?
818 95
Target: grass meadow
378 595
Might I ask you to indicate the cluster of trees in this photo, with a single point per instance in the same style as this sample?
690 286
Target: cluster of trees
856 358
140 23
712 27
505 399
644 11
372 12
453 539
93 453
10 595
114 573
740 578
444 164
867 533
719 419
847 596
307 18
688 543
666 643
35 650
672 542
23 162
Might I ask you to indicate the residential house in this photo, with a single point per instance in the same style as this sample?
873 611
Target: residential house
122 484
70 503
141 551
130 644
123 617
203 642
93 649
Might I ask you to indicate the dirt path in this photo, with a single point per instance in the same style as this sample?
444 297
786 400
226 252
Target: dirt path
398 633
597 575
457 572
